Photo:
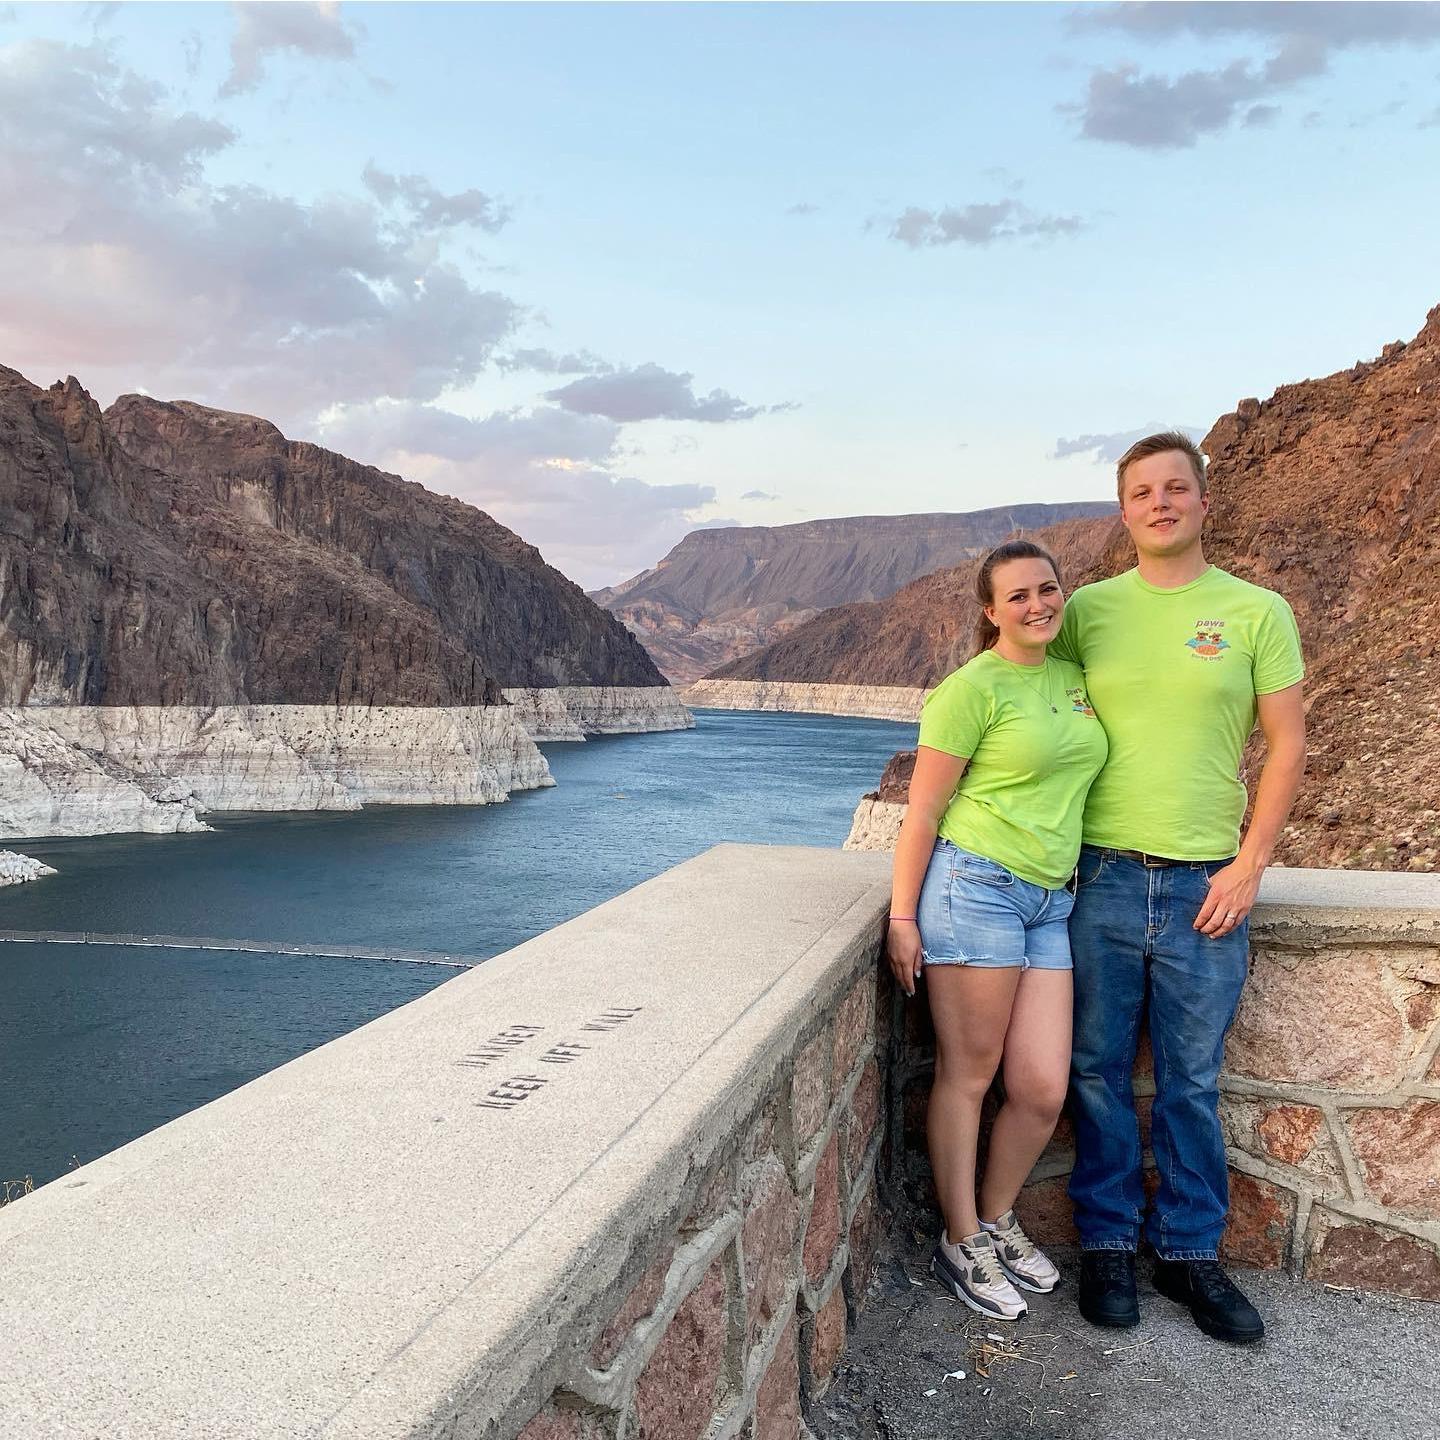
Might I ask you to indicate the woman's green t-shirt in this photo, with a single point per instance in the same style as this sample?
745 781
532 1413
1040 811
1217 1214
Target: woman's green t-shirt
1034 745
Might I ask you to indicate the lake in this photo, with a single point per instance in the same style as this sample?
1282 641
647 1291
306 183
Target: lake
99 1044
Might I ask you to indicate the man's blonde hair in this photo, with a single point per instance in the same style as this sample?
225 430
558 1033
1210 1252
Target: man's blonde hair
1158 445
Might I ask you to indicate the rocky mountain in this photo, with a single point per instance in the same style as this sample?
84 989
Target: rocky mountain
918 635
171 554
722 593
197 614
1329 492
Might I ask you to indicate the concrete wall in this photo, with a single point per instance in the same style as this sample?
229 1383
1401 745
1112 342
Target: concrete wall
621 1182
1330 1091
618 1182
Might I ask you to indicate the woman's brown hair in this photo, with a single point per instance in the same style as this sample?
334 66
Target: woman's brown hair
985 632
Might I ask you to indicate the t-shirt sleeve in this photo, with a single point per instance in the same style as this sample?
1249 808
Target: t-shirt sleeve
955 716
1278 661
1066 645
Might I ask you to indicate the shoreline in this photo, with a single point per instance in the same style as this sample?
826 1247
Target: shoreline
900 703
100 770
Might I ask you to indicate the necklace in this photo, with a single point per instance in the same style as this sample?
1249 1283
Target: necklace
1045 666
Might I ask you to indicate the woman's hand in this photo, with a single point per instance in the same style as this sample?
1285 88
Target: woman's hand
902 949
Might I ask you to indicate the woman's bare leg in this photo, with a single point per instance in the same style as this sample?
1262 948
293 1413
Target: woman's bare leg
1037 1071
971 1010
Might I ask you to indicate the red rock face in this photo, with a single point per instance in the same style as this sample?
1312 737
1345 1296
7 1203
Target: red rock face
827 1338
553 1423
772 1221
1359 1039
1328 492
676 1392
811 1092
851 1028
636 1306
1399 1153
171 554
823 1233
723 593
864 1117
1353 1254
1261 1223
1288 1132
777 1405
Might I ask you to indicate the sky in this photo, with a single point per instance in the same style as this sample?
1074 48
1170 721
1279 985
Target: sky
616 272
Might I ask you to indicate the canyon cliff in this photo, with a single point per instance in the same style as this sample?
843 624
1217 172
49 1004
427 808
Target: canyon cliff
198 613
722 593
159 554
1329 492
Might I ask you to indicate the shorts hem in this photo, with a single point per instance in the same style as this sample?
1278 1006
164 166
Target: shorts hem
988 963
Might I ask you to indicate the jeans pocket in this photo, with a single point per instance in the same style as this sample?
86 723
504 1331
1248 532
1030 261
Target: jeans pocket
1090 868
982 870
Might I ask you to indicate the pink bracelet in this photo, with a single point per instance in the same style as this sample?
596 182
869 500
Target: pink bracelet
910 918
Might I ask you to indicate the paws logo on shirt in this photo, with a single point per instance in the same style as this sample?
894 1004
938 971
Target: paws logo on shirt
1080 701
1208 643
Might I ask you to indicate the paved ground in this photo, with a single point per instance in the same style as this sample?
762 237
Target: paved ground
1333 1364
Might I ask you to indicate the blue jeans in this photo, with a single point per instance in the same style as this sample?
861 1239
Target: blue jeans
1133 942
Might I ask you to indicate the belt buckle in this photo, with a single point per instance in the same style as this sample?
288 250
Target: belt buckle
1153 862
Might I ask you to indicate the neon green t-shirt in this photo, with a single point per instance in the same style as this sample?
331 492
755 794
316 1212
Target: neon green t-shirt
1173 675
1020 799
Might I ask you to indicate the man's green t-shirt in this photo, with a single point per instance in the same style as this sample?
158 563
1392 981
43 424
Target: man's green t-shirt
1173 675
1020 799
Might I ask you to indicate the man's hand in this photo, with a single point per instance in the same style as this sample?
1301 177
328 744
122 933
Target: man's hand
1232 893
902 949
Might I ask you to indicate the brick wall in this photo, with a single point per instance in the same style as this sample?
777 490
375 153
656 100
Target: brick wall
736 1313
1330 1102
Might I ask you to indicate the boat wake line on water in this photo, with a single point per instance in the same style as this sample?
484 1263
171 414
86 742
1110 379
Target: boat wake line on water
256 947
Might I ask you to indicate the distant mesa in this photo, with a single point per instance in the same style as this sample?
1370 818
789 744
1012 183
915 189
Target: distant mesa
1329 492
723 593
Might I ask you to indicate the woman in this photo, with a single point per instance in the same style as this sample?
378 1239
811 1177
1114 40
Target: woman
1008 747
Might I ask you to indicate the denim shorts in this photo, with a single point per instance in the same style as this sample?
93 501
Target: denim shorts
974 911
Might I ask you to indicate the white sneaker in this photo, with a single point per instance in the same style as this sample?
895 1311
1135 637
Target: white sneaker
970 1269
1021 1259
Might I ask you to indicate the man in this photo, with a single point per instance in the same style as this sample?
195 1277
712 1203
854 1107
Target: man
1180 659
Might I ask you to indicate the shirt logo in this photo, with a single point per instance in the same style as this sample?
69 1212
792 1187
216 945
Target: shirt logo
1208 641
1080 701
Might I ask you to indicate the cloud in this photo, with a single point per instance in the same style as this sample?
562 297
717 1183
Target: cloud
545 472
267 27
1127 107
650 392
758 495
431 210
802 207
547 362
1107 449
121 261
978 225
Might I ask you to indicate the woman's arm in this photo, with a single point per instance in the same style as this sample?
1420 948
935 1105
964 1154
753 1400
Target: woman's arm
931 786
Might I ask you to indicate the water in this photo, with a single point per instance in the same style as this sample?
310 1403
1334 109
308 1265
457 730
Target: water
99 1044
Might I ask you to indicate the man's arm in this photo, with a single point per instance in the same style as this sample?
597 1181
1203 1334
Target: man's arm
1233 889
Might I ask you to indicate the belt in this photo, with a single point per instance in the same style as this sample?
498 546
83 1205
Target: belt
1154 862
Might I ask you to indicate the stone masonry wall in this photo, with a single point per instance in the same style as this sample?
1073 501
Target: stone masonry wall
1330 1098
736 1313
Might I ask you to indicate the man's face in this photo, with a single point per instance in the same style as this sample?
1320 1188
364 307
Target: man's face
1162 506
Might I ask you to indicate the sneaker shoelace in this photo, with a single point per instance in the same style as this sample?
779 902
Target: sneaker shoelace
1210 1280
987 1262
1018 1240
1112 1267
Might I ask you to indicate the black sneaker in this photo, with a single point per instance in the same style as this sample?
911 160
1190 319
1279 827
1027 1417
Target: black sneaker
1213 1298
1107 1288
